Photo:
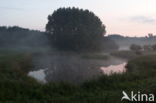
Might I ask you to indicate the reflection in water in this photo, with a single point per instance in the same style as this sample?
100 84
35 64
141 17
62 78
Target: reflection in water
114 69
38 75
70 68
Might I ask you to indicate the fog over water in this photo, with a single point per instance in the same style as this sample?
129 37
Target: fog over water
39 75
70 67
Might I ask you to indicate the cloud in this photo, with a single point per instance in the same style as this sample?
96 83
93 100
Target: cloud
143 19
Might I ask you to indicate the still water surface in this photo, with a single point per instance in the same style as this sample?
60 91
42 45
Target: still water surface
42 75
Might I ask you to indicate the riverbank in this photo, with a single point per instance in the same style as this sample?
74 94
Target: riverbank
17 87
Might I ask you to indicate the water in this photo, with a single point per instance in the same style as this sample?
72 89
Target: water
72 68
39 75
120 68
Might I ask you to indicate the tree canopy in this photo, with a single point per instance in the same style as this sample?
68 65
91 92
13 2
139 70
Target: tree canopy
75 29
17 37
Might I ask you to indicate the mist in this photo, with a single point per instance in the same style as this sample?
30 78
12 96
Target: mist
17 38
66 66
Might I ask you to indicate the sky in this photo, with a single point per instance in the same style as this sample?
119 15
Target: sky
125 17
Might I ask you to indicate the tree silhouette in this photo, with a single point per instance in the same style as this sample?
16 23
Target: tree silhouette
75 29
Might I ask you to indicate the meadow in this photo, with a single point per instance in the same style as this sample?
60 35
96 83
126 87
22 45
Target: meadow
17 87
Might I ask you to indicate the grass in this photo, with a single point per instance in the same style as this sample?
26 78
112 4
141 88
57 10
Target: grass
125 54
17 87
95 56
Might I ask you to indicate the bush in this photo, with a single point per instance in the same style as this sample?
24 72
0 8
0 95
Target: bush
135 47
148 47
154 47
125 54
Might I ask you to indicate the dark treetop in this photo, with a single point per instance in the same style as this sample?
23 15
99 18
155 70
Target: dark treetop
75 29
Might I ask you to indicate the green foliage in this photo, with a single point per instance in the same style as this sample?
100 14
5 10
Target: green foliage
108 45
95 56
147 48
17 87
75 29
124 54
143 63
17 37
135 47
154 47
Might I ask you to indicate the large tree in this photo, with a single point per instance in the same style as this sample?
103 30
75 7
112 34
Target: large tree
75 29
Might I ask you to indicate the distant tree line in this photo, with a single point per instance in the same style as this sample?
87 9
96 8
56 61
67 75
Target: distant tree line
15 36
135 47
125 41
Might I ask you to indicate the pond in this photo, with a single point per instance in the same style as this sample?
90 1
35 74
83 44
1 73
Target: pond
112 69
74 69
39 75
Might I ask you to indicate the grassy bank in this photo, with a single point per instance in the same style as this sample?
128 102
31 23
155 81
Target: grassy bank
95 56
126 54
17 87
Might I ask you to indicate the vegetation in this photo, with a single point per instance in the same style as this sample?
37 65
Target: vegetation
108 45
72 29
154 47
123 41
17 87
75 29
147 48
95 56
135 47
144 48
125 54
17 37
143 63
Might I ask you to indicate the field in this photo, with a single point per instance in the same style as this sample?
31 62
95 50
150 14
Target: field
17 87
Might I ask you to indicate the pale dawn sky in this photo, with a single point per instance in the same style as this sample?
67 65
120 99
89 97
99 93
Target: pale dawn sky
126 17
